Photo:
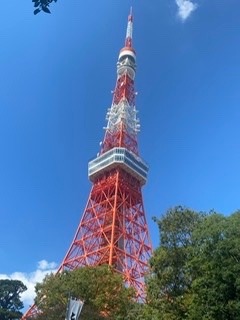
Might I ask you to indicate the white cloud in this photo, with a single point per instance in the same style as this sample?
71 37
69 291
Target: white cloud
30 279
185 8
45 265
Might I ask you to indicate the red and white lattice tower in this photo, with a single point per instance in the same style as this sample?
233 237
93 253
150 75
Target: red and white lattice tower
113 228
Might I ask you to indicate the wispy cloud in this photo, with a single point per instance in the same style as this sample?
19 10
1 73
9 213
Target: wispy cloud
185 8
30 279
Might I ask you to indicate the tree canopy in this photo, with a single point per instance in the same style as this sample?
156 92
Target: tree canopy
215 267
196 270
102 289
10 302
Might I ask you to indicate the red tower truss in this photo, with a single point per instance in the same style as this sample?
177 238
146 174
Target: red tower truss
113 229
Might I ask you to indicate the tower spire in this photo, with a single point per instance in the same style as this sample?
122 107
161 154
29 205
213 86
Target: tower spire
123 125
128 39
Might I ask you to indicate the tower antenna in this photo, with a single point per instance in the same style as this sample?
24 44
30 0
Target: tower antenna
129 33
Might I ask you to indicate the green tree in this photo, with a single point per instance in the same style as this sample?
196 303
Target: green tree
170 281
102 289
215 268
196 269
10 302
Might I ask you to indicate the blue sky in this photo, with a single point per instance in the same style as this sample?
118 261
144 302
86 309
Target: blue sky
56 76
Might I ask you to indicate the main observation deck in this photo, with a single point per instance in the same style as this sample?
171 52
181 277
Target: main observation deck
118 157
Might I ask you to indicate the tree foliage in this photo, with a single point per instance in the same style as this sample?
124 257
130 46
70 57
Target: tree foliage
103 292
42 5
10 302
196 269
215 266
170 280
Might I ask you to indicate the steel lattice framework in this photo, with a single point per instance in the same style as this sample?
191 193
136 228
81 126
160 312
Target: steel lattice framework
113 228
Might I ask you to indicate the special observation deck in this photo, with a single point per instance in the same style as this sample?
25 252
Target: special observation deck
118 157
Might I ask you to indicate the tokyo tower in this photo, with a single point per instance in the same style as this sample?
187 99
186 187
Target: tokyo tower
113 228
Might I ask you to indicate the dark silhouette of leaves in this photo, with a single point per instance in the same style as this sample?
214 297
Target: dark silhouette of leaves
45 9
42 5
36 11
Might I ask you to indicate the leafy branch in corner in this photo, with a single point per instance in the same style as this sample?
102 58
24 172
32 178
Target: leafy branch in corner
42 5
